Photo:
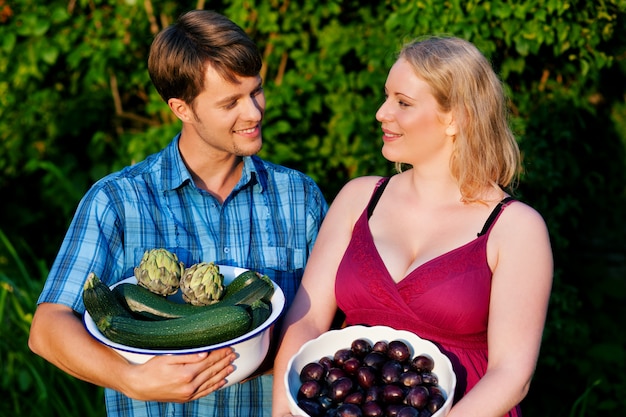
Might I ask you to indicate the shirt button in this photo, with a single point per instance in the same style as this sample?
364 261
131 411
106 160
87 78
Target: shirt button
226 250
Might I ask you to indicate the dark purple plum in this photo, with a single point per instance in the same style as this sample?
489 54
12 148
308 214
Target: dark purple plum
311 407
309 390
429 378
392 410
341 356
372 409
351 365
366 377
390 372
340 389
375 360
375 393
349 410
392 394
417 397
410 379
435 403
325 401
313 371
333 374
398 350
326 362
355 397
361 347
408 412
380 346
423 363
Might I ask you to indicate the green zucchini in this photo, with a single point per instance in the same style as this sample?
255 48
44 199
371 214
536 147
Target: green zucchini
258 289
100 301
201 329
260 311
242 280
145 304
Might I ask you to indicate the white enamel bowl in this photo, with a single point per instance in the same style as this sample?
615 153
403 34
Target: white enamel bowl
330 342
251 347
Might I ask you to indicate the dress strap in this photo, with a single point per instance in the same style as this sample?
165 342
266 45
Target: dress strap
378 191
494 214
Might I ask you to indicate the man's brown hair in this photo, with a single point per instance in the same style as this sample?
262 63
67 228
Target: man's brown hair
181 53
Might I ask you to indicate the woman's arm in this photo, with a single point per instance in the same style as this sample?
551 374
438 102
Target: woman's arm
519 253
314 306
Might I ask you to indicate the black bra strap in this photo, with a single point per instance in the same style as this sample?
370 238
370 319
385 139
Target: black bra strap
380 187
494 214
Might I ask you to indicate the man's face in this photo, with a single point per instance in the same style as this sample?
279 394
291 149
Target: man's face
228 115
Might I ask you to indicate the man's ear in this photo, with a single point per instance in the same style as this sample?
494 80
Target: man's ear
181 109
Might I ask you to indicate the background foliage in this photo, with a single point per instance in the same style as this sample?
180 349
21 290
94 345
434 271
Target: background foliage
76 103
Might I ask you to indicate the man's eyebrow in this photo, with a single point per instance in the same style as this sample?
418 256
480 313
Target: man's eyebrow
229 99
259 86
235 97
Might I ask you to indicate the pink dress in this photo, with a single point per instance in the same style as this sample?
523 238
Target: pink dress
445 300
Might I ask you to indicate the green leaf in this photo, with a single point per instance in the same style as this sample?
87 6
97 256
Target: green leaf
8 42
30 24
50 55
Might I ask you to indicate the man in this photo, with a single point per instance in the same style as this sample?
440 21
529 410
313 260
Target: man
205 197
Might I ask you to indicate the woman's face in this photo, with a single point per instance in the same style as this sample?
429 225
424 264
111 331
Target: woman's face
415 131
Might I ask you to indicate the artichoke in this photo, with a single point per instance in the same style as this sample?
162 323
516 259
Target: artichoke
202 284
159 271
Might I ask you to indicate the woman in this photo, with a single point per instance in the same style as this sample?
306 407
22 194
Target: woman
440 249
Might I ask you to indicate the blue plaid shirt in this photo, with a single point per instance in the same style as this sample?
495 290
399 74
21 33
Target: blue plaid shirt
268 223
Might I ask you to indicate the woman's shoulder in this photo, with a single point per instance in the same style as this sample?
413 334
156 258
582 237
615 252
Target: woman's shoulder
360 186
355 194
521 220
523 211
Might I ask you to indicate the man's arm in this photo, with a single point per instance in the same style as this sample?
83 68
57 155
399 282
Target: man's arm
59 336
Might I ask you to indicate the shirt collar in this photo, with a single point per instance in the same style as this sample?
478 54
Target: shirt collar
175 173
173 169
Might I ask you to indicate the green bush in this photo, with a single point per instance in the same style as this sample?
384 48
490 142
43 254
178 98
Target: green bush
31 386
76 103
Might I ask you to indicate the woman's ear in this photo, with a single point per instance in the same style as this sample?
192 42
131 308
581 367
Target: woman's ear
451 129
180 109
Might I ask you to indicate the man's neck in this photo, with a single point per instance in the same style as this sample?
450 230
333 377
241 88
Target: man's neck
214 171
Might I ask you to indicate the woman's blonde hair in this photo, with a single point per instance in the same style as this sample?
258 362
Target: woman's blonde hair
464 83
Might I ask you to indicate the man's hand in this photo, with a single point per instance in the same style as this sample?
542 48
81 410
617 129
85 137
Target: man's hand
179 378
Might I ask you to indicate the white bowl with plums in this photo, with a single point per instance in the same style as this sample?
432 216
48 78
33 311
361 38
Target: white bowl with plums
377 371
